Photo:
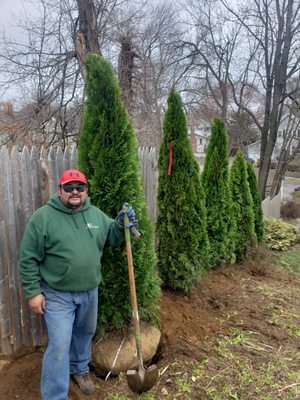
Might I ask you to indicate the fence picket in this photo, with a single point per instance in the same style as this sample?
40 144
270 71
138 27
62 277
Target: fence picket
35 176
44 177
5 321
38 333
52 171
67 158
16 168
14 284
73 159
28 207
59 162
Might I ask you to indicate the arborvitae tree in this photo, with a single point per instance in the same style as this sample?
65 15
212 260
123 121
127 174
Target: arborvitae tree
181 225
108 155
258 212
242 206
215 181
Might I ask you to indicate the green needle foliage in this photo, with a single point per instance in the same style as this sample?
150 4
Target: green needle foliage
108 155
181 225
258 213
242 205
215 181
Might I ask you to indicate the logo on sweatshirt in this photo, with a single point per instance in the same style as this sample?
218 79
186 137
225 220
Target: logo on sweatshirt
91 226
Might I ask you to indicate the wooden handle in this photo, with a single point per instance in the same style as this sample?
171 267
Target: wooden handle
133 297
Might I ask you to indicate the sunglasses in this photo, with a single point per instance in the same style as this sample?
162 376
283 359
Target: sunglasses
69 188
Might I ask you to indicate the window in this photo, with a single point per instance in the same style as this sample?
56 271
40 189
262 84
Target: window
199 145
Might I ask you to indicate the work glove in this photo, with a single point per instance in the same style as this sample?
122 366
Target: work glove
131 216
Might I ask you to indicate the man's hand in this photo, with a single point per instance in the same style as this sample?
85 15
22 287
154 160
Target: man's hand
37 304
131 216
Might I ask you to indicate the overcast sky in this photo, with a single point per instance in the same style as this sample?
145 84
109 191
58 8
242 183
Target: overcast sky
7 9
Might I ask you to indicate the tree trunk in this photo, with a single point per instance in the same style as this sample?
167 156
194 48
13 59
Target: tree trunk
279 173
86 37
263 175
125 69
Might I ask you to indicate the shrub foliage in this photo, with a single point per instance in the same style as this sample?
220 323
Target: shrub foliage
108 156
290 210
242 207
258 212
280 235
215 181
181 225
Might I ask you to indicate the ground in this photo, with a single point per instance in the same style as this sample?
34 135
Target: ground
235 336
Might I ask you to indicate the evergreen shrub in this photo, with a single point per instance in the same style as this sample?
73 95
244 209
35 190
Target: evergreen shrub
242 206
108 155
215 181
257 207
181 226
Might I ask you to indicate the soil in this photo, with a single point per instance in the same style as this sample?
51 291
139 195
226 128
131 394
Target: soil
236 335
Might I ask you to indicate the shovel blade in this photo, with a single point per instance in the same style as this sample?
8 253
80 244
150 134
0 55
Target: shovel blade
142 380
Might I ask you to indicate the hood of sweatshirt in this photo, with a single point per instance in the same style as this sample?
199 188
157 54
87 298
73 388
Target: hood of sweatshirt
55 202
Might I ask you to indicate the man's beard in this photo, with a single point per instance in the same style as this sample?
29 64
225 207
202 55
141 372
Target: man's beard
74 206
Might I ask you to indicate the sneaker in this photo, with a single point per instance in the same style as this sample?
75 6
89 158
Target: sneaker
85 383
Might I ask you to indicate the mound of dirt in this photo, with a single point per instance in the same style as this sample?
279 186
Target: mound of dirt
241 296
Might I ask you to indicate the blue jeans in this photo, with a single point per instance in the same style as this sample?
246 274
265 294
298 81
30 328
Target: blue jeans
71 319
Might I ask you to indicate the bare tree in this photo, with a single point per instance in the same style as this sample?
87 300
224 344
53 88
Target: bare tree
241 130
44 66
49 67
158 69
47 64
271 59
211 48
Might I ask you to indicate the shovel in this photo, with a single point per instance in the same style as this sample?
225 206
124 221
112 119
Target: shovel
141 380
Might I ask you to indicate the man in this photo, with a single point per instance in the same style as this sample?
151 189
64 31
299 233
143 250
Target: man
60 269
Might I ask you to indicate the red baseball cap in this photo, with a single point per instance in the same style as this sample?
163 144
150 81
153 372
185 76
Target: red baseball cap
72 175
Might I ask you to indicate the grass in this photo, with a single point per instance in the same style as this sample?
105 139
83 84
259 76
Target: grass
289 259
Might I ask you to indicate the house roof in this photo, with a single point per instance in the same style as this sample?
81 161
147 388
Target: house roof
254 143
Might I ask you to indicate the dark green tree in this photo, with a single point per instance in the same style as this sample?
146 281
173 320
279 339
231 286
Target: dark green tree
181 226
108 155
215 181
258 212
242 206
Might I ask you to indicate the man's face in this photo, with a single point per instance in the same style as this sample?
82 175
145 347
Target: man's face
71 194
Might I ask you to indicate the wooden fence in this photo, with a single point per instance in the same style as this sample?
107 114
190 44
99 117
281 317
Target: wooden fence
271 207
27 179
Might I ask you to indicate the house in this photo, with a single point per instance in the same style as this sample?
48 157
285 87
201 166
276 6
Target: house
253 150
199 134
288 135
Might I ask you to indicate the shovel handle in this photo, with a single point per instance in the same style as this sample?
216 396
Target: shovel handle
132 286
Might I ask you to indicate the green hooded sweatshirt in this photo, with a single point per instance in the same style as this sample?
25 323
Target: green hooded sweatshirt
64 247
